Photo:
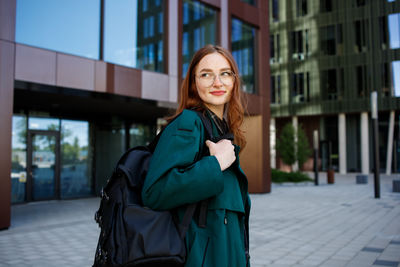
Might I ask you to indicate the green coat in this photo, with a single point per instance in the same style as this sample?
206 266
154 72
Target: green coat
174 179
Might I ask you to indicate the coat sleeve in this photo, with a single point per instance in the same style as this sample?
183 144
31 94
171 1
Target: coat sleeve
174 178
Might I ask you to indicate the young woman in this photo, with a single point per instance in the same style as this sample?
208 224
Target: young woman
175 178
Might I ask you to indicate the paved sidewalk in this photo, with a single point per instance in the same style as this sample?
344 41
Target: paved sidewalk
296 225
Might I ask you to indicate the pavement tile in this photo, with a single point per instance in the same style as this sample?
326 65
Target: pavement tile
296 226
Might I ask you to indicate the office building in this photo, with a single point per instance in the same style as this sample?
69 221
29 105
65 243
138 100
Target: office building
326 57
82 81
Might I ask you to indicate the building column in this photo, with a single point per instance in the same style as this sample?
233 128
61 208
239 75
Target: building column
295 166
272 141
364 143
7 66
390 144
342 144
173 50
224 24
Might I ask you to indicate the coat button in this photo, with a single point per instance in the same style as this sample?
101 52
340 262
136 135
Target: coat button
225 220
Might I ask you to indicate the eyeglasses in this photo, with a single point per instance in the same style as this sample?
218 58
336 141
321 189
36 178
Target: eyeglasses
207 79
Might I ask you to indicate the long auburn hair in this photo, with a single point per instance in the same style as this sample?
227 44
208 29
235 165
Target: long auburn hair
190 99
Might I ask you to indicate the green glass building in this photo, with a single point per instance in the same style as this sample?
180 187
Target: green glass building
326 57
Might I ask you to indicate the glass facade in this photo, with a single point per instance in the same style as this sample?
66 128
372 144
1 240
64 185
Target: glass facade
60 25
140 134
243 50
51 159
394 30
76 171
134 34
18 156
43 168
199 29
396 77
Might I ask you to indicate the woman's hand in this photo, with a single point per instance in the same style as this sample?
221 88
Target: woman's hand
224 151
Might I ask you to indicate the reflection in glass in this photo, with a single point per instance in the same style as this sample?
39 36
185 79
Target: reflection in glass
43 166
110 144
75 176
44 124
69 26
140 135
199 29
394 30
134 34
243 48
18 157
396 77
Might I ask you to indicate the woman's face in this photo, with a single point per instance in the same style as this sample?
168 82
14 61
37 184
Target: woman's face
214 82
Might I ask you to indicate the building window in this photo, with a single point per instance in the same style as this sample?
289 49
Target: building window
396 77
276 89
360 2
274 48
301 8
76 158
134 34
332 84
326 5
394 30
199 29
68 26
275 10
18 159
385 79
361 36
383 32
361 81
328 40
251 2
298 43
300 87
243 50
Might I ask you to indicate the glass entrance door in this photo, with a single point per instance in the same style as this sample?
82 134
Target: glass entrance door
43 165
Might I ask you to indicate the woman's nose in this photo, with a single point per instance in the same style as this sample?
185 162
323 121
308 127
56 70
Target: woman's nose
217 81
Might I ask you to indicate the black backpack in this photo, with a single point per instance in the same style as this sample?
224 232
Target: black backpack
134 235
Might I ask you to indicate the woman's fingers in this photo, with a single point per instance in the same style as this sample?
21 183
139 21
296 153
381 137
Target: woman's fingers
224 151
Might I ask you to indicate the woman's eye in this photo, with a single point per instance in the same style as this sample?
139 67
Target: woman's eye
205 75
226 73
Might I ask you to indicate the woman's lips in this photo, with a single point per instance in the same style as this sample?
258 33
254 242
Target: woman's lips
218 93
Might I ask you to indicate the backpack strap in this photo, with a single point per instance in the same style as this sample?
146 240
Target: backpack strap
187 218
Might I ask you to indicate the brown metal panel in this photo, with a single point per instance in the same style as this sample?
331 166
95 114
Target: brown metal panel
6 110
246 12
251 157
100 83
252 102
7 20
75 72
264 90
127 81
35 65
